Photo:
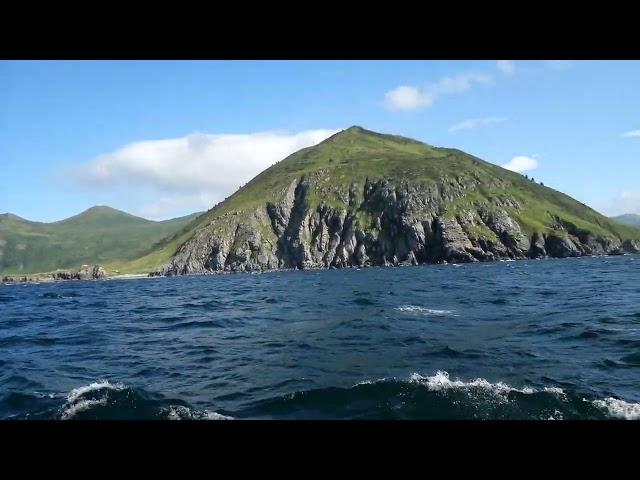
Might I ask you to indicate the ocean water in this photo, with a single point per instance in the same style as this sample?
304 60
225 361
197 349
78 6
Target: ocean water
548 339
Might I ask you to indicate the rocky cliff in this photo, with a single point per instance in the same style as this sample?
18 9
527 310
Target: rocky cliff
362 198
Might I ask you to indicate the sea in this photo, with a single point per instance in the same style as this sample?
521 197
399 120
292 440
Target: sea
555 339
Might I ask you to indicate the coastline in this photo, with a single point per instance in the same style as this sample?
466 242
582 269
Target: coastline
35 279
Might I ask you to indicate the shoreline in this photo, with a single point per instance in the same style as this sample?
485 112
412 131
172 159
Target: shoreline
399 265
137 276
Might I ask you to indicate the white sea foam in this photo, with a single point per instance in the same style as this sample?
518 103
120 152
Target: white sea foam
99 385
558 416
619 408
442 381
364 382
424 311
76 404
371 382
555 390
81 406
180 412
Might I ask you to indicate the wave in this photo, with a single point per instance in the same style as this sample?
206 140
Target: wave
185 413
440 397
103 400
424 311
442 381
619 408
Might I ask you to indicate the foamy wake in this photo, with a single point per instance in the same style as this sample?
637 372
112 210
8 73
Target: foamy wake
424 310
185 413
619 408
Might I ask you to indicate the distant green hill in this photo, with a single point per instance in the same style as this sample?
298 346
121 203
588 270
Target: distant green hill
628 219
99 235
363 198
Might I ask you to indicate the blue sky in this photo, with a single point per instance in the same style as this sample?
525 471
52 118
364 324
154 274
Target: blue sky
165 138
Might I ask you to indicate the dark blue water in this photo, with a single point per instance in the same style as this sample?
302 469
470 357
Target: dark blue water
532 339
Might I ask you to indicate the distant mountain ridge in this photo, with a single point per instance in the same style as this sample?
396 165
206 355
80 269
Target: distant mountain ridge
98 235
628 219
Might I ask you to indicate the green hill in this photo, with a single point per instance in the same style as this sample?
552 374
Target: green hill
99 235
363 198
628 219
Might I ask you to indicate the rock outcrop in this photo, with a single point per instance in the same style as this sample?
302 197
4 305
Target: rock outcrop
87 272
95 272
377 224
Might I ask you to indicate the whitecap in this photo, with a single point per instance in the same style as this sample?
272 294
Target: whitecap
95 386
619 408
424 310
180 412
81 406
76 404
371 382
555 390
442 381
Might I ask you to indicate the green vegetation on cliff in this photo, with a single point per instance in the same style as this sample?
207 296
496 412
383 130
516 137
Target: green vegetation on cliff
356 154
481 199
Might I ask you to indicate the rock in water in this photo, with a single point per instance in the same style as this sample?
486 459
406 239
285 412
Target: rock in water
361 198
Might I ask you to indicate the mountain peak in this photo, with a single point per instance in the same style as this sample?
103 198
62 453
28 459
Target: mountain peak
102 213
348 132
11 216
356 133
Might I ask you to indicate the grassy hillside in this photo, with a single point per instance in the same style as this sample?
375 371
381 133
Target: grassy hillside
628 219
99 235
356 155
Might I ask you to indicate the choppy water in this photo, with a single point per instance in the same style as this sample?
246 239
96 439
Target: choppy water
553 339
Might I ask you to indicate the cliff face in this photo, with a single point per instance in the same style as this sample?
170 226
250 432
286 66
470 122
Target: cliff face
323 218
386 226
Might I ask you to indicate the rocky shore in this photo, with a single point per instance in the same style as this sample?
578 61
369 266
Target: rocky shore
86 272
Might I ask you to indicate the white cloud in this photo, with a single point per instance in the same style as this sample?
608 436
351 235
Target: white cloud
195 171
413 98
407 98
507 67
476 122
632 133
521 164
167 206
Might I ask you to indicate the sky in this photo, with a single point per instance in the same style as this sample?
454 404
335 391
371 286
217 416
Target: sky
162 139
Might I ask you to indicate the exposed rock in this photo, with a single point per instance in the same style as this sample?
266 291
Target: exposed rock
95 272
378 224
87 272
631 246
